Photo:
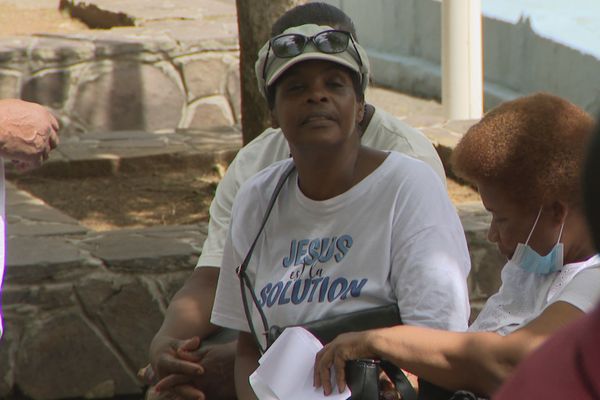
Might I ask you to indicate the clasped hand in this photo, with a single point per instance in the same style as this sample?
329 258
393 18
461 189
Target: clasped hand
189 372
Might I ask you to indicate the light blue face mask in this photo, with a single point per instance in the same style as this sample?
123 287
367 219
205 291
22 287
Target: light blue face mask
530 260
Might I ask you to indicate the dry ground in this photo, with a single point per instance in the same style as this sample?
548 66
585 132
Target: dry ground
149 198
27 19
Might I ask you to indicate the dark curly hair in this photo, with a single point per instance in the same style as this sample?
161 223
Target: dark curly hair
533 148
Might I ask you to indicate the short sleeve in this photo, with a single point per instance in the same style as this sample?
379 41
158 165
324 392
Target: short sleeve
220 215
583 291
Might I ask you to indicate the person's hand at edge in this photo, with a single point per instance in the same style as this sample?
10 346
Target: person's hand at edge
28 132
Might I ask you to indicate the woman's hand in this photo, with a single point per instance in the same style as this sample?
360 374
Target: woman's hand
347 346
28 132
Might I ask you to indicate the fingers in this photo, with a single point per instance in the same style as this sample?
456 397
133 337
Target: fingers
147 375
172 365
189 344
188 392
322 373
171 381
188 350
54 122
168 361
339 365
193 356
181 386
53 140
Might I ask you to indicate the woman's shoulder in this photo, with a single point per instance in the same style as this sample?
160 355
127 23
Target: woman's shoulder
264 181
410 170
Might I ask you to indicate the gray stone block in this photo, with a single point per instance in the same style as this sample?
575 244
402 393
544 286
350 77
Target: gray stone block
16 196
486 260
169 284
43 297
441 137
9 84
58 51
8 351
128 96
127 312
129 251
193 36
14 51
33 260
41 213
211 112
204 76
50 88
460 126
424 121
234 91
61 356
28 228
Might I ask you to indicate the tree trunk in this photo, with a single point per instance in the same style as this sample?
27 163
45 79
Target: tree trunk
255 18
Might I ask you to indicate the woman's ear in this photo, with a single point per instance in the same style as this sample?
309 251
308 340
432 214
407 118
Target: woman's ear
360 112
274 120
560 210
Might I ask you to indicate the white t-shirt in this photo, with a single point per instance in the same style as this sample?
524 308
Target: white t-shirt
393 237
384 132
523 295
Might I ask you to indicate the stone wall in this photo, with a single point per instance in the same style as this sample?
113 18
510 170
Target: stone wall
160 75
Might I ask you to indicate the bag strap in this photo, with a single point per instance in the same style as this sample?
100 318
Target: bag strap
403 385
241 270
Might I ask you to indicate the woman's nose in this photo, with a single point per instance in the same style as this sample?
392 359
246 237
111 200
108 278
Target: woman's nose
492 234
317 92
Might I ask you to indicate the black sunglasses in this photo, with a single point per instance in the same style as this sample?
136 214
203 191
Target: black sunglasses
290 45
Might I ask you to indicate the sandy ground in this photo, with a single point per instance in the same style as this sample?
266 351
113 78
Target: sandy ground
159 197
29 17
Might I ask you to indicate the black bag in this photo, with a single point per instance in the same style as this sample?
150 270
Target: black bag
362 376
328 329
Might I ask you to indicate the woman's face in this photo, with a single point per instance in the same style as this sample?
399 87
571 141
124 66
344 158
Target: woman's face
315 103
512 221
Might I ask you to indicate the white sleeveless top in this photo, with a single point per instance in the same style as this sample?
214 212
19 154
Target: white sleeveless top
523 295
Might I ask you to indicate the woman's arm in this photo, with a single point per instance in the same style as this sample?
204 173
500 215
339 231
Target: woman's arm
246 362
476 361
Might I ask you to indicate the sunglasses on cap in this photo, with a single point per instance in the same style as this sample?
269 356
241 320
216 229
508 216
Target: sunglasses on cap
291 45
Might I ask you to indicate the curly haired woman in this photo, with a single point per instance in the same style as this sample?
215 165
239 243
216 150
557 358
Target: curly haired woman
525 157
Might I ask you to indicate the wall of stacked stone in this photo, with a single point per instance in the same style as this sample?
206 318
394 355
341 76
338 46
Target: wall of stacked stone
125 79
81 307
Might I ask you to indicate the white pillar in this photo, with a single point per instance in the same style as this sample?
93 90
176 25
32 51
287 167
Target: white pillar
462 61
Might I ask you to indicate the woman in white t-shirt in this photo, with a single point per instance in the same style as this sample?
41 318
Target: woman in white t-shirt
352 227
525 157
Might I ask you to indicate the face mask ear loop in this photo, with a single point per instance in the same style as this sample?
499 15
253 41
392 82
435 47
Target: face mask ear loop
562 226
534 224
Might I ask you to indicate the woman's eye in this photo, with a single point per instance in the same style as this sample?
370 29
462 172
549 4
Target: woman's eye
294 87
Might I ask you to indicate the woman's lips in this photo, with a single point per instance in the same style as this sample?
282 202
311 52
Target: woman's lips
317 117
